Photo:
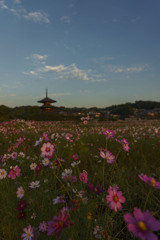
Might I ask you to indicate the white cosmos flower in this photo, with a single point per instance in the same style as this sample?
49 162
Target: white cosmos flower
3 173
33 166
34 184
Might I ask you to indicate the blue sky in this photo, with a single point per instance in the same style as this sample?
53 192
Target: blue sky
86 52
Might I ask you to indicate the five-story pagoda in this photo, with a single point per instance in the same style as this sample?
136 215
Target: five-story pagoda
47 107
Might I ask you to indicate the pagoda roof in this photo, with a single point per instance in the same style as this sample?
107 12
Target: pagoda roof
46 99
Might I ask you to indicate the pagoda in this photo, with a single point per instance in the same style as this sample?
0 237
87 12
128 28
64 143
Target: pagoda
47 107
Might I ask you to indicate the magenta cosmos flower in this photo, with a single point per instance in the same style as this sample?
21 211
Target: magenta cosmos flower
97 190
47 150
149 180
58 223
110 158
115 198
75 157
109 133
142 224
14 172
83 177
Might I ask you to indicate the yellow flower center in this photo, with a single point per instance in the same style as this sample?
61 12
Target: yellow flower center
153 182
61 223
142 226
95 190
47 149
115 198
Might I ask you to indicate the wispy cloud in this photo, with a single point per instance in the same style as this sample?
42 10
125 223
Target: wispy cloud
18 10
66 19
124 69
3 5
37 17
36 56
102 59
60 94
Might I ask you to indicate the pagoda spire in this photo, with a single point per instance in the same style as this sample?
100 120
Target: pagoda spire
46 93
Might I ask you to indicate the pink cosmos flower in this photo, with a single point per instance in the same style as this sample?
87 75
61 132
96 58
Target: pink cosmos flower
83 177
45 137
58 223
115 198
28 233
20 192
110 158
14 172
126 147
109 133
142 224
149 180
43 226
47 150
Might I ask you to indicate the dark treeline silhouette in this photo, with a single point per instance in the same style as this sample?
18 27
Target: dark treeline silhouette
63 113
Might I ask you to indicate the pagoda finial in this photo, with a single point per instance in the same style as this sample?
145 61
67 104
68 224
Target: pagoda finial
46 93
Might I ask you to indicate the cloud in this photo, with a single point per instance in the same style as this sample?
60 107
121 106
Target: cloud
3 5
60 94
37 17
36 56
54 68
20 11
61 71
123 69
66 19
101 59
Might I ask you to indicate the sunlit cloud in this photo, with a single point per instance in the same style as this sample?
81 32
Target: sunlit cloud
54 68
61 72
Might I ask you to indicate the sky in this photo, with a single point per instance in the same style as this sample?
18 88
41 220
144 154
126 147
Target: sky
87 53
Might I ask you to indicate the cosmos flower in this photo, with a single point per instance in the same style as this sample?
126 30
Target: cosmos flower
83 177
20 192
110 158
47 150
97 190
58 223
58 199
115 198
33 166
109 133
149 180
43 226
3 174
21 205
75 157
34 184
142 224
45 137
14 172
28 233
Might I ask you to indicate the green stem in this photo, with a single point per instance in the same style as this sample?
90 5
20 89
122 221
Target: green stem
144 208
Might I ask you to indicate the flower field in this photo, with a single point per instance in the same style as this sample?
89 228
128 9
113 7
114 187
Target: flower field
83 181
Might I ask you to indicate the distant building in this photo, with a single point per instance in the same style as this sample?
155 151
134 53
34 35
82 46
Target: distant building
47 107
